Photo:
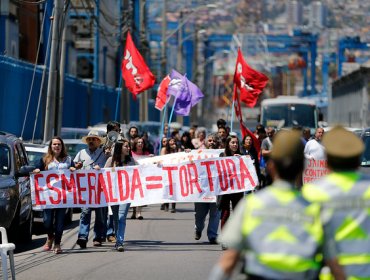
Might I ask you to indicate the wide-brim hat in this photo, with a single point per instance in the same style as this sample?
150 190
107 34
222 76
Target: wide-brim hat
93 134
341 143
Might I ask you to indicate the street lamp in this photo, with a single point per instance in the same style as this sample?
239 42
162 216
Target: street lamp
180 43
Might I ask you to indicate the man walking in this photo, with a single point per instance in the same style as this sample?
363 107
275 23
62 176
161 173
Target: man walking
93 157
202 209
345 196
314 149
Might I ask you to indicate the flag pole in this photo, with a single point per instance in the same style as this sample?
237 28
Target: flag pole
117 101
232 110
162 128
170 118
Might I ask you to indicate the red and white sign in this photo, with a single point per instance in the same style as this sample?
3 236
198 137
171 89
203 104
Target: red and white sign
314 169
197 181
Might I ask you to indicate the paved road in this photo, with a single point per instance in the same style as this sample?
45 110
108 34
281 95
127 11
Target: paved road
161 246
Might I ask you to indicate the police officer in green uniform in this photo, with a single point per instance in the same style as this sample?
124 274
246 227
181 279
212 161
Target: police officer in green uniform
277 232
345 197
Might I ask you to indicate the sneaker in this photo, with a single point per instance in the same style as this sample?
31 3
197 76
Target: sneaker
97 243
213 241
120 248
112 239
173 210
82 243
162 207
197 235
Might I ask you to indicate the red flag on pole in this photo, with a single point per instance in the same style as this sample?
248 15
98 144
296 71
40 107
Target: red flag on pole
243 129
161 98
135 72
249 81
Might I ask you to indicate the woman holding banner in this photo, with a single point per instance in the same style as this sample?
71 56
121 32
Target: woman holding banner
170 148
248 149
232 149
121 157
56 158
139 149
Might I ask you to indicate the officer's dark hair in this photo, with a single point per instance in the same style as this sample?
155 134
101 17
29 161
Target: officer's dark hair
289 168
348 164
112 124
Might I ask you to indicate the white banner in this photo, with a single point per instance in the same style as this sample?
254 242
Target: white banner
179 157
196 181
314 169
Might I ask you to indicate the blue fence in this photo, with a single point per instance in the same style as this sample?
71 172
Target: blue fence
84 103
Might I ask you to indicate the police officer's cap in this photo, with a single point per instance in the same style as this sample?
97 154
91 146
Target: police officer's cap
287 145
341 143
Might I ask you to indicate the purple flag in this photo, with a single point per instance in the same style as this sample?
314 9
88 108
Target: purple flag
185 92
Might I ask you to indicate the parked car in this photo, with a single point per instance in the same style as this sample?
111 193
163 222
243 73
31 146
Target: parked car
73 132
15 192
34 153
73 146
365 162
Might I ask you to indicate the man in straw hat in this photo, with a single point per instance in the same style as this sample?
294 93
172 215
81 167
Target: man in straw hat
345 197
278 233
93 157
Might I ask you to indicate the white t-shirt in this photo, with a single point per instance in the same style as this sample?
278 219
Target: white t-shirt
314 150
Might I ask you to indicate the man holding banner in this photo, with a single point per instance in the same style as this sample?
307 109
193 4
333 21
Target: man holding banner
279 232
203 208
93 157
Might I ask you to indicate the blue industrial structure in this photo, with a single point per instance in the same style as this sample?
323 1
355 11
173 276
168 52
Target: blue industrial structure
350 43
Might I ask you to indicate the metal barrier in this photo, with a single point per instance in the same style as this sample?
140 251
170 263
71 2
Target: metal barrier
5 249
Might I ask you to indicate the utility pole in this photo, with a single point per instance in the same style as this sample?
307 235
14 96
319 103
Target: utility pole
179 119
125 95
97 42
163 49
61 75
144 95
164 41
52 80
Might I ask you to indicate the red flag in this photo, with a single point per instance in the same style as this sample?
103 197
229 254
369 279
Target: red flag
249 81
243 129
161 98
135 72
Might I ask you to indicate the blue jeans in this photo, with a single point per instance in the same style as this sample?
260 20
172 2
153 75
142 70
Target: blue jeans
99 226
110 226
201 211
119 217
56 229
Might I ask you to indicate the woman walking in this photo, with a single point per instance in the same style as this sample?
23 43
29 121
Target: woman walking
55 159
121 157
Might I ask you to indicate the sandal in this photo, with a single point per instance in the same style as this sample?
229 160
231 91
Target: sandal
48 244
57 249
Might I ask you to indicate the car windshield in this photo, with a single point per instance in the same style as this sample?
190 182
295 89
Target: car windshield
4 160
74 148
34 157
289 115
366 154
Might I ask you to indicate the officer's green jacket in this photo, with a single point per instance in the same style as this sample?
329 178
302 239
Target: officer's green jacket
279 232
345 199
